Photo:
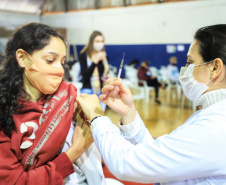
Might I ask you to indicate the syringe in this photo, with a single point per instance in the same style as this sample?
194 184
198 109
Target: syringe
120 70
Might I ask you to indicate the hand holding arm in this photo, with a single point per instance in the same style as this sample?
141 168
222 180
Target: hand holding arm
101 55
90 105
82 137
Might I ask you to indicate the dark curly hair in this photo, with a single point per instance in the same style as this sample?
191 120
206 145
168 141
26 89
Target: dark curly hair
212 40
30 37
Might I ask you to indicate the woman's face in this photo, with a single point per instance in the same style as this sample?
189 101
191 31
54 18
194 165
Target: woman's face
98 43
201 73
98 39
54 54
44 68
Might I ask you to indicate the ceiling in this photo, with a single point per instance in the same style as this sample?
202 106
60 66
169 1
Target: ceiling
46 6
22 6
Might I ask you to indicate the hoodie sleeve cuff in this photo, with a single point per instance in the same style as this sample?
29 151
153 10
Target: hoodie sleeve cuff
63 165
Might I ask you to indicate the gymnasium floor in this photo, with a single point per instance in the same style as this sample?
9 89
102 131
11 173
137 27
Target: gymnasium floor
159 119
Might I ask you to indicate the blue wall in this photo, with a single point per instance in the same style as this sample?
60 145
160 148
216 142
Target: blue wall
156 53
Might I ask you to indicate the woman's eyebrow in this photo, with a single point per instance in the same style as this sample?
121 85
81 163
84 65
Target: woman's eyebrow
55 54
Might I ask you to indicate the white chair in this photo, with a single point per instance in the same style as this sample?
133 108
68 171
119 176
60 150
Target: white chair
170 88
154 71
112 72
171 76
75 72
76 77
163 74
131 76
126 82
147 89
140 90
143 91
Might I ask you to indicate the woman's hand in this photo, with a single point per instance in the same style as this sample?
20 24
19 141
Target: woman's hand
90 105
101 55
120 101
82 137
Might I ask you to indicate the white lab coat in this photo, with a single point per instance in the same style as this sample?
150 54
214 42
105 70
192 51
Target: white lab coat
193 154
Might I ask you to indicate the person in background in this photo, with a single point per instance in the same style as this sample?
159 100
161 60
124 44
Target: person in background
194 153
75 69
71 60
67 76
36 109
133 63
172 71
144 73
94 64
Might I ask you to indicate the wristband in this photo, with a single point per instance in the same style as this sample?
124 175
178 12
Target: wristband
94 118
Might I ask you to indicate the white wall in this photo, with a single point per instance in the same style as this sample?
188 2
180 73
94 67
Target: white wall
3 42
150 24
14 20
11 21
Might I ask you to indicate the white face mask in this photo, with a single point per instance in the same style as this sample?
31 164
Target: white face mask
98 46
192 88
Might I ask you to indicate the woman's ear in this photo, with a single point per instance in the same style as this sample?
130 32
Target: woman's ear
216 68
20 56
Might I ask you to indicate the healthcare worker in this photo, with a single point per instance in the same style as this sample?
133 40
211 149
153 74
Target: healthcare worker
195 153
